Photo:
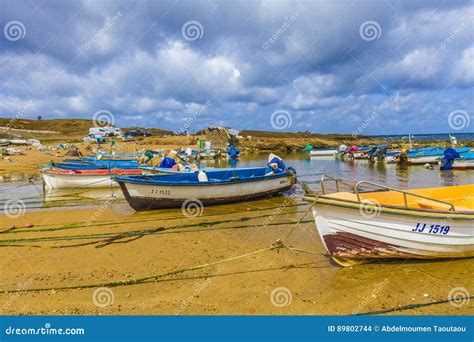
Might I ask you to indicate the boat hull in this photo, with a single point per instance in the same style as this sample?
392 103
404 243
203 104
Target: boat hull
148 197
350 237
323 153
68 181
463 164
424 159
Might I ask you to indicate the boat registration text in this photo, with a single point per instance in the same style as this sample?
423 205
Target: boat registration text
431 229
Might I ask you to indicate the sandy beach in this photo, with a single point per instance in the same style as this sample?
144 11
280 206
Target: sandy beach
46 252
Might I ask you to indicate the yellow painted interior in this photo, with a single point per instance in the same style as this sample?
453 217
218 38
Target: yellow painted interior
462 197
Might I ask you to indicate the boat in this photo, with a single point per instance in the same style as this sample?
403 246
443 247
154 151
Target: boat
465 162
55 178
149 170
359 226
98 163
228 186
431 156
322 152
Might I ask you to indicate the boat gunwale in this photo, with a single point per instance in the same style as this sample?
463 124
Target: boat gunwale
392 209
140 180
68 172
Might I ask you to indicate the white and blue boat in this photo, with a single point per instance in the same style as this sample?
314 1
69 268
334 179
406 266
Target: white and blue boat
322 152
464 162
431 156
91 163
218 187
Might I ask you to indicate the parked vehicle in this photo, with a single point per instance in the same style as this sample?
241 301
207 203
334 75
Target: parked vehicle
138 133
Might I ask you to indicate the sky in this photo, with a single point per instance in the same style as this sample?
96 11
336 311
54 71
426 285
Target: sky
360 67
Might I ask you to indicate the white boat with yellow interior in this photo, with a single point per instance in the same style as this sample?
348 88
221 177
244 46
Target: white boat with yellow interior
361 225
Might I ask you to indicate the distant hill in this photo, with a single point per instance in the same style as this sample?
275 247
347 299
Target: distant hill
68 128
269 134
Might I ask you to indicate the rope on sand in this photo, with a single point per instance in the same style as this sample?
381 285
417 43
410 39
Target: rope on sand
415 306
5 243
277 245
148 278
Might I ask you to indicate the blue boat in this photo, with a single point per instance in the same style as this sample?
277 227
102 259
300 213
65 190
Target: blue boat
192 191
435 152
110 164
105 163
432 156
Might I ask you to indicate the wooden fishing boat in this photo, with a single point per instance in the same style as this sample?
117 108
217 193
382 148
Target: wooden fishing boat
81 164
228 186
55 178
322 152
465 162
357 227
431 156
151 170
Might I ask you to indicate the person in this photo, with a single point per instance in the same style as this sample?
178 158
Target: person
403 156
168 162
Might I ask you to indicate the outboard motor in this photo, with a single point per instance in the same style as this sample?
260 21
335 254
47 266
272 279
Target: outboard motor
381 151
234 154
278 166
449 155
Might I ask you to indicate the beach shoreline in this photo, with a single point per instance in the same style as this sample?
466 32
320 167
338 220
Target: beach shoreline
72 248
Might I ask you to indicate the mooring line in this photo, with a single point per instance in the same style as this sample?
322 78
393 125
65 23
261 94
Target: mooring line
97 235
102 223
414 306
145 279
147 232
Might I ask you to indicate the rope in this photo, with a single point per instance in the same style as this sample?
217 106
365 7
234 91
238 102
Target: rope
105 223
8 243
414 306
148 278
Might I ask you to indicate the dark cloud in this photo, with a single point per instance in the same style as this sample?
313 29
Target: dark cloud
329 64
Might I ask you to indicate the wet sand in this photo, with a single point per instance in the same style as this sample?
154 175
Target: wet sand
68 248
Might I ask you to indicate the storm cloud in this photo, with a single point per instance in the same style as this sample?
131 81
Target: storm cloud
371 67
